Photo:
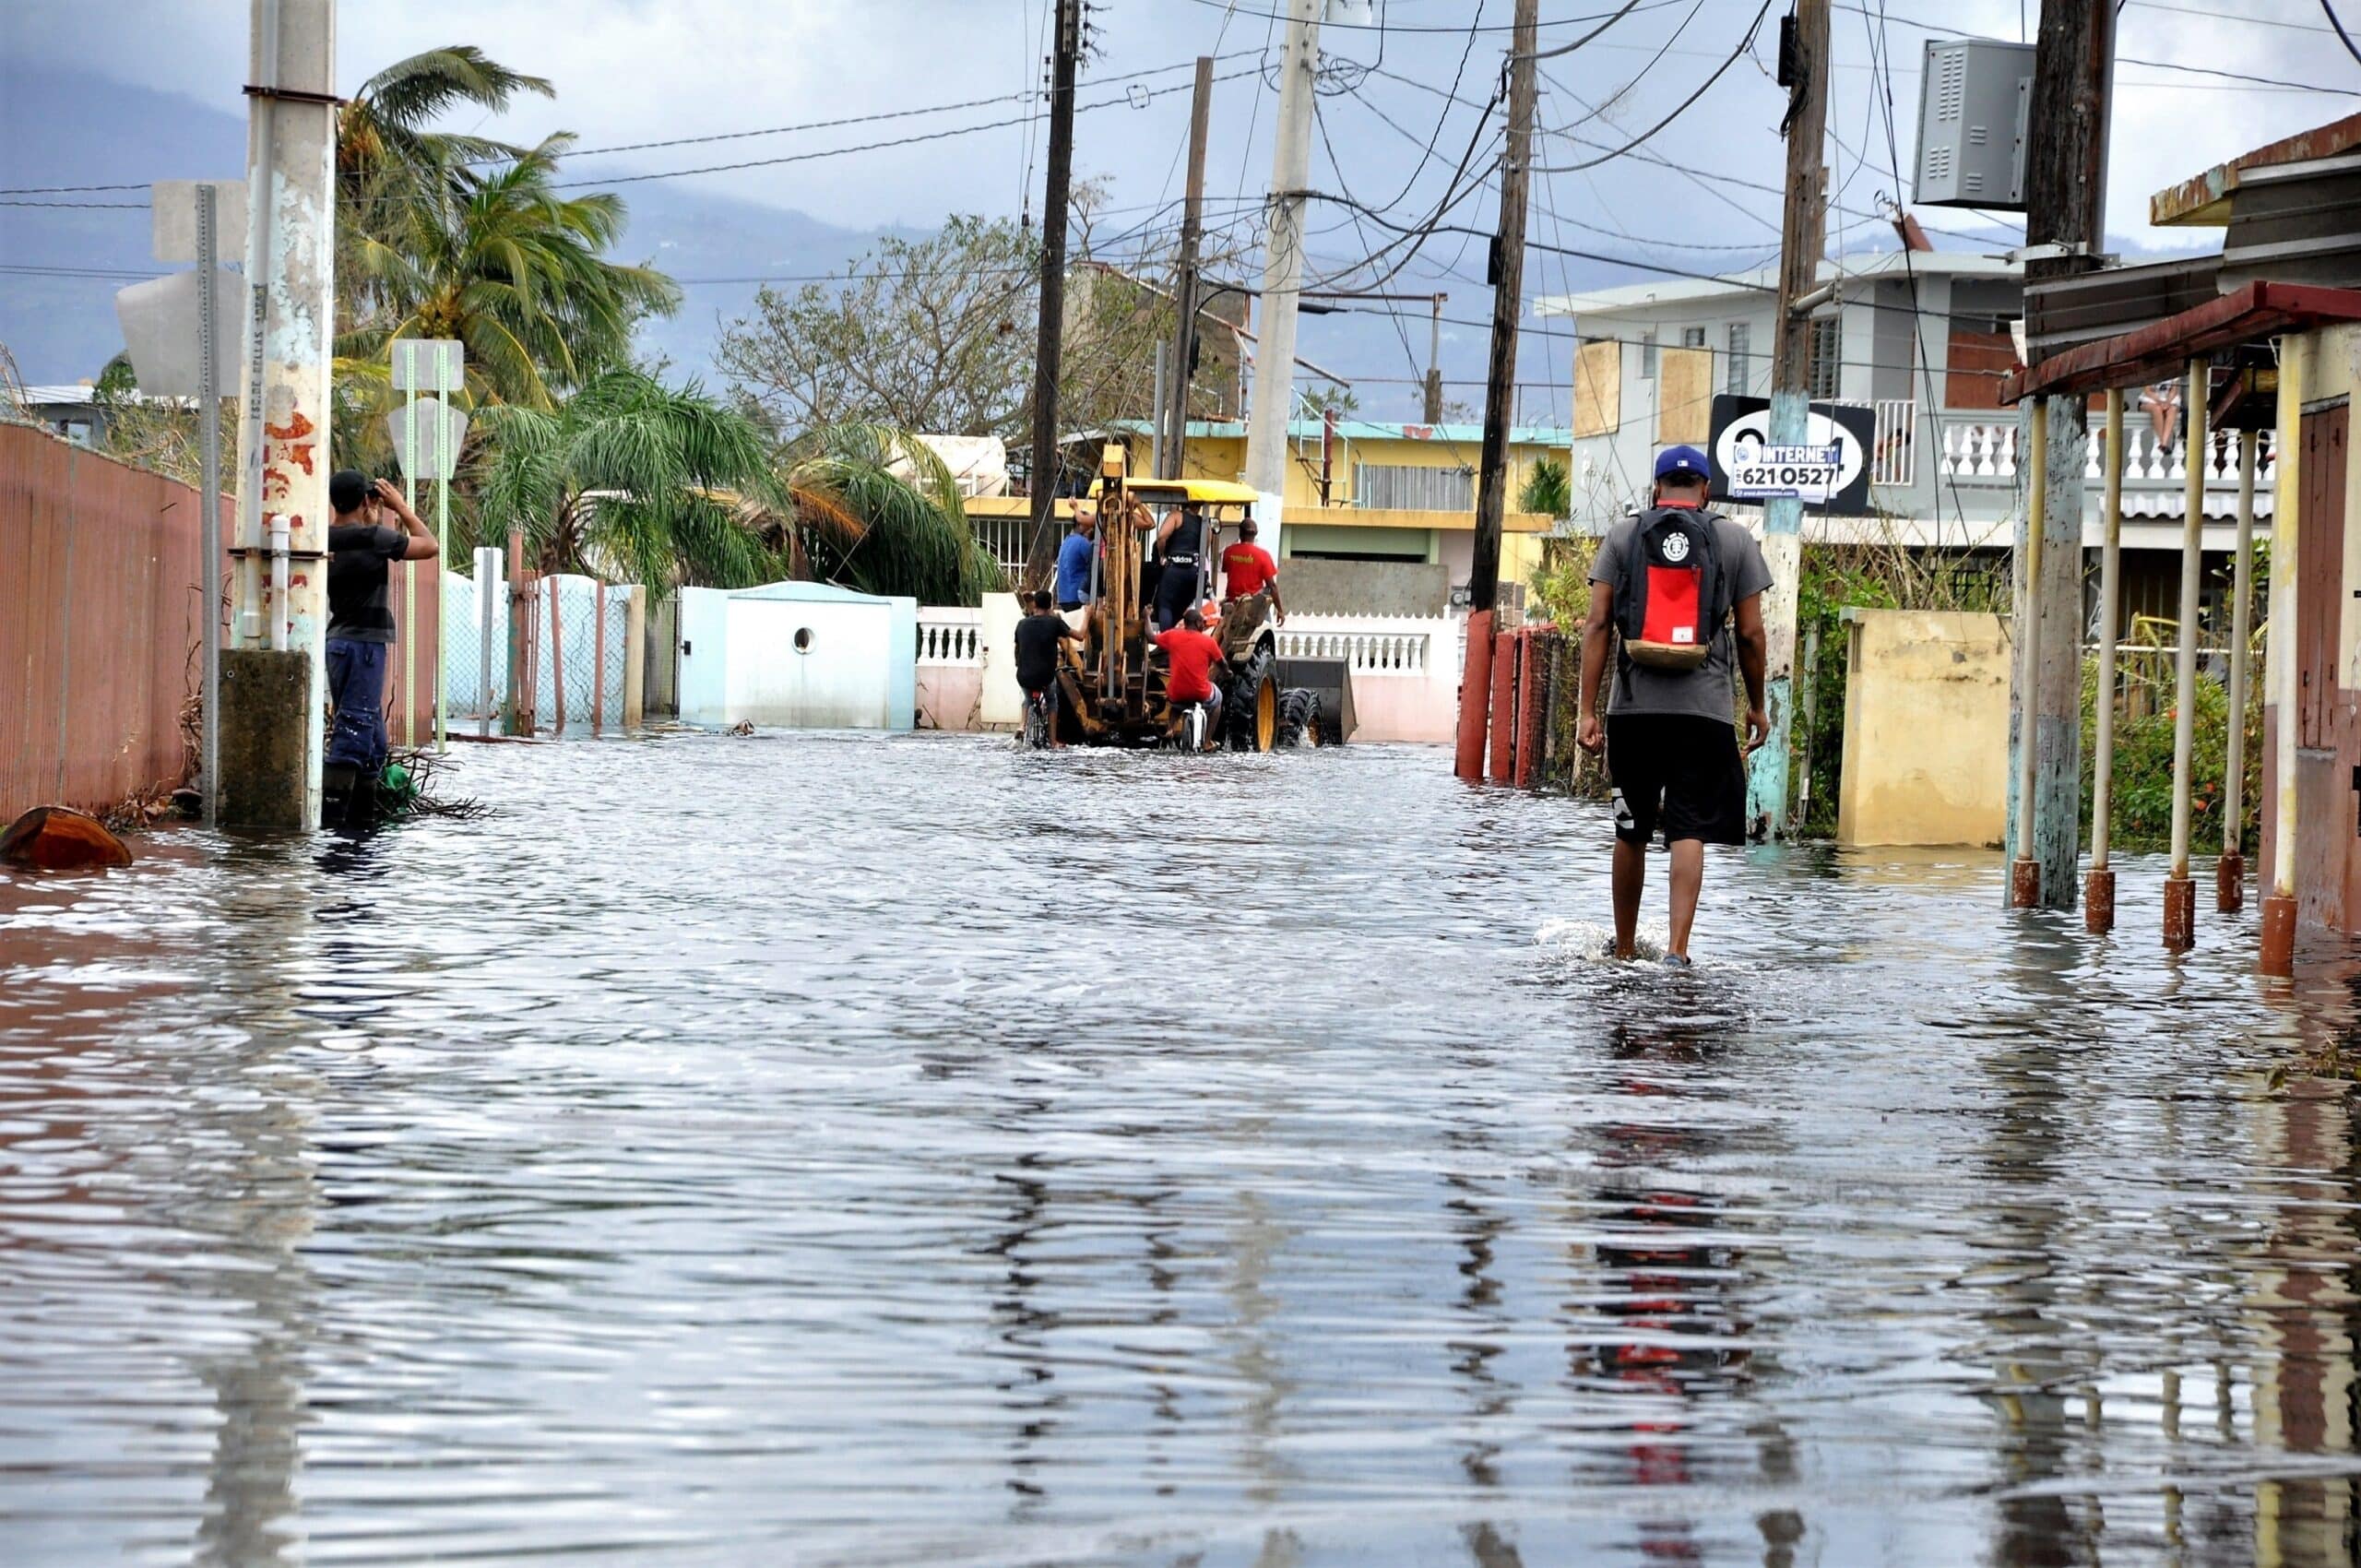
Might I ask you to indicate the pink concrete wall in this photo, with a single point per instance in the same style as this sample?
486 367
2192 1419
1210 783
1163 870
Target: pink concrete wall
950 696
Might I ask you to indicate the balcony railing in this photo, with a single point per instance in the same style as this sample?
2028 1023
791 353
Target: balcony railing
1985 452
948 635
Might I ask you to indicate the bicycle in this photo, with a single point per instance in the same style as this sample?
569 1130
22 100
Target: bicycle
1041 718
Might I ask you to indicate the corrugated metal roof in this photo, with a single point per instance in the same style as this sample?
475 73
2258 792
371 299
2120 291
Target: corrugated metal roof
2204 199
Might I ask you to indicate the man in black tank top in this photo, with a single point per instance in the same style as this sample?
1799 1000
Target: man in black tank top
362 549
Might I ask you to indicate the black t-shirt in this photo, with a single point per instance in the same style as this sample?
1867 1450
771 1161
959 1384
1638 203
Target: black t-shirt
1037 652
358 581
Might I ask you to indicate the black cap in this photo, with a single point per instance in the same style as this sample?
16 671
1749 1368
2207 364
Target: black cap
348 488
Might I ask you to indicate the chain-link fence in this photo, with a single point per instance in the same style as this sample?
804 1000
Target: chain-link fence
585 648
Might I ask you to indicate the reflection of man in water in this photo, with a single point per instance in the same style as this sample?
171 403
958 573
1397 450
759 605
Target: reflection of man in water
1672 1336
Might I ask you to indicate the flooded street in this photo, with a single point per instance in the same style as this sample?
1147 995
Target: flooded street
889 1151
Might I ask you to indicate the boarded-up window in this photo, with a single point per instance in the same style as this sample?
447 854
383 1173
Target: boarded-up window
1973 366
1685 398
1415 489
1598 388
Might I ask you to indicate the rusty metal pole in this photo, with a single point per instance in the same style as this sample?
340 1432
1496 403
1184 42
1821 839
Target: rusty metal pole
2024 876
2280 659
598 658
1503 706
1531 656
2180 894
2098 888
2230 870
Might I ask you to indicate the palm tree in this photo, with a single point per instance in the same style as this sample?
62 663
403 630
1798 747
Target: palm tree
514 268
387 158
878 510
633 480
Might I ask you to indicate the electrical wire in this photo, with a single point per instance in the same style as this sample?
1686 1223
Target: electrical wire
1681 108
2342 37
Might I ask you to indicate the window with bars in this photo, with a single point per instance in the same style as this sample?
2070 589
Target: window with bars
1824 369
1739 369
1692 337
1414 488
1648 355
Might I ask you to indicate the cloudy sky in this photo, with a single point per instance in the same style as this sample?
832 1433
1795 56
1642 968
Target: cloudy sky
630 71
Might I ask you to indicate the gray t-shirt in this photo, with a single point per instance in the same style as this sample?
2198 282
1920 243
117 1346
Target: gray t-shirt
1707 692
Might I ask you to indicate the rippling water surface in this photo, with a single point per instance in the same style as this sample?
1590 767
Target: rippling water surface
865 1151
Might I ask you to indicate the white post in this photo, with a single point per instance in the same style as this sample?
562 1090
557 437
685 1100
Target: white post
1267 427
2180 895
410 568
2280 658
2234 792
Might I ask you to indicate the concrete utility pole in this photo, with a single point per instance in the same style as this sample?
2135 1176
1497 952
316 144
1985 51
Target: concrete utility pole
1507 278
1041 550
2065 218
271 682
1266 425
1802 236
1175 432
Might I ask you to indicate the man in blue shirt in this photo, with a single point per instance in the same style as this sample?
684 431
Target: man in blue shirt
1073 567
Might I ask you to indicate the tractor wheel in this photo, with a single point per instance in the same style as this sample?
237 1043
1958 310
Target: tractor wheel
1299 717
1251 707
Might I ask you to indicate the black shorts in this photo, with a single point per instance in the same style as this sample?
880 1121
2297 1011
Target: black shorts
1681 773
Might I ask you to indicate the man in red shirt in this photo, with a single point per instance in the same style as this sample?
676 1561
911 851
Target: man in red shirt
1247 569
1190 656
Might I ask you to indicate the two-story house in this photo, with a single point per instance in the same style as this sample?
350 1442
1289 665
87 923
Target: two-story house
1920 338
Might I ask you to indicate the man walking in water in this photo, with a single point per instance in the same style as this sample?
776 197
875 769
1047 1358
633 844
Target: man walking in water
1683 588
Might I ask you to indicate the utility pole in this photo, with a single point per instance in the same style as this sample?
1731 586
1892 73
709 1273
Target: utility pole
2065 217
1041 550
1434 365
271 682
1175 435
1266 425
1506 277
1802 236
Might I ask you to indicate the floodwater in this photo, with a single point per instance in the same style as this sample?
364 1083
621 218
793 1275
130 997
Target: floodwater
879 1151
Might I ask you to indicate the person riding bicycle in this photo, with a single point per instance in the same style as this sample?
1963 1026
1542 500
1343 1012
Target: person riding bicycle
1190 656
1037 637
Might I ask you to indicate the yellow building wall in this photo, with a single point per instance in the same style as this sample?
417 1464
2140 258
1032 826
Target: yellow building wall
1926 729
1224 458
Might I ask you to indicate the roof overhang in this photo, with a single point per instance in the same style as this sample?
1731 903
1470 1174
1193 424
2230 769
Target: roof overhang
2204 199
2164 348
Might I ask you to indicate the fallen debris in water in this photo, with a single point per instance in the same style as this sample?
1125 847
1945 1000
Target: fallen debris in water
743 727
60 839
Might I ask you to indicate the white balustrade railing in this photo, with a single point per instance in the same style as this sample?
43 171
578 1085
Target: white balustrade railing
1368 645
950 636
1986 449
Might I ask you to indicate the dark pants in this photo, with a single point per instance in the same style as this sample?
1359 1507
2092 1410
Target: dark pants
357 690
1176 591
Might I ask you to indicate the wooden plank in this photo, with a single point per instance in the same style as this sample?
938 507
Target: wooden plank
1598 388
1685 397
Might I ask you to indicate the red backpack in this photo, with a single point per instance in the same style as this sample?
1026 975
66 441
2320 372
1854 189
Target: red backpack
1671 599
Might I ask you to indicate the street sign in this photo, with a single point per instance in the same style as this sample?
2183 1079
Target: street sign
1828 471
173 204
159 330
433 462
427 364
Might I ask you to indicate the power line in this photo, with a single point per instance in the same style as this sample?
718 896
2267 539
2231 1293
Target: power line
874 146
2342 36
1227 7
1681 108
